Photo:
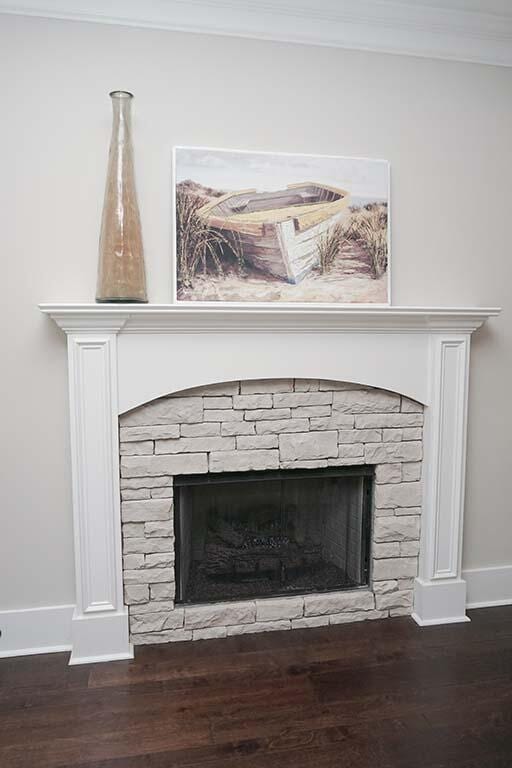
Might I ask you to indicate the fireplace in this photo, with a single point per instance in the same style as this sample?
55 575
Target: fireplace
275 533
412 364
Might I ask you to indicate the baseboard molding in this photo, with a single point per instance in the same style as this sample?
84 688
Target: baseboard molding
488 586
28 631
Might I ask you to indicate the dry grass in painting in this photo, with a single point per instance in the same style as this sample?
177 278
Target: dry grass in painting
368 227
329 246
197 245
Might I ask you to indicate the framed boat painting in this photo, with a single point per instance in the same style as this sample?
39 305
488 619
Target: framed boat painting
274 229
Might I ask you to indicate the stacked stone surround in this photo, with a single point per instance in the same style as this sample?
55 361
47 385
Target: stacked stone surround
259 425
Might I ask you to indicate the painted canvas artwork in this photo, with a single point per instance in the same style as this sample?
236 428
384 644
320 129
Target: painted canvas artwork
260 227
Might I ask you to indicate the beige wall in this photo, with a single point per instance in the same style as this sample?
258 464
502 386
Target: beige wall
445 127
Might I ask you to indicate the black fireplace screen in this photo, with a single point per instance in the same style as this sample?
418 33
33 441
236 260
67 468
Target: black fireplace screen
258 534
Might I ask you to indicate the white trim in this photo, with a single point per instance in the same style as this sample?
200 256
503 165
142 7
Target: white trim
169 318
27 631
488 587
436 622
428 29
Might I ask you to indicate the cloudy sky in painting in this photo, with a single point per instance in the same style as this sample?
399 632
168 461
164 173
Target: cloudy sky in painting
228 170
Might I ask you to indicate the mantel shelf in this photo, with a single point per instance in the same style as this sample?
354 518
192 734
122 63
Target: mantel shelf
168 318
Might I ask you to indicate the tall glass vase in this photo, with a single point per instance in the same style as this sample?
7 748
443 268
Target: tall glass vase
121 273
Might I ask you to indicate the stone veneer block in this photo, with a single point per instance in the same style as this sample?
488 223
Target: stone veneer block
244 461
295 399
223 388
308 445
388 473
306 385
223 415
225 614
349 618
195 445
178 464
147 546
262 386
137 493
260 626
129 434
336 421
365 401
274 609
149 576
208 429
310 621
359 435
252 401
238 428
388 549
168 410
156 622
136 593
162 493
395 568
168 636
140 448
389 420
159 528
398 495
268 414
411 472
336 602
281 426
146 482
162 591
209 633
133 530
411 406
394 600
405 528
254 442
311 411
382 453
147 509
217 402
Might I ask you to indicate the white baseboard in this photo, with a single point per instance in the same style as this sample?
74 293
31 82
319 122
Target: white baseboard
488 586
29 631
36 630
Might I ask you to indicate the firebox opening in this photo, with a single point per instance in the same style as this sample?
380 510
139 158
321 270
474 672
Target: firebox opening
261 534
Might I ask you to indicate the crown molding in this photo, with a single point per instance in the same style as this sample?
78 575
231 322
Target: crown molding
168 318
430 28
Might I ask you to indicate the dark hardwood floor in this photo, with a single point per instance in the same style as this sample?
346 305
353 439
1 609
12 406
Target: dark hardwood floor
384 694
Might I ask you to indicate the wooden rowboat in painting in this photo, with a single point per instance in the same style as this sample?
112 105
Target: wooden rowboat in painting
277 232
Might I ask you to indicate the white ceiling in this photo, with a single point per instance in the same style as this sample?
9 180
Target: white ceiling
464 30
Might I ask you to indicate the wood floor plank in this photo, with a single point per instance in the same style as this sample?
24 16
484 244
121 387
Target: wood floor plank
382 694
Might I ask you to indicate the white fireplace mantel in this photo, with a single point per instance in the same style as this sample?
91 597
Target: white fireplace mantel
123 355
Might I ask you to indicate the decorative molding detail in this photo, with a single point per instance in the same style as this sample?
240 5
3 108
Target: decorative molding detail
96 506
28 631
429 29
168 318
488 586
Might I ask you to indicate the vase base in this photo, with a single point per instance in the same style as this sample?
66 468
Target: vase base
121 301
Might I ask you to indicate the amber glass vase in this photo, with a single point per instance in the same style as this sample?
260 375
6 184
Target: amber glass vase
121 273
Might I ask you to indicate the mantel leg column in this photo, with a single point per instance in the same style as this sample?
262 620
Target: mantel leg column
440 591
100 621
